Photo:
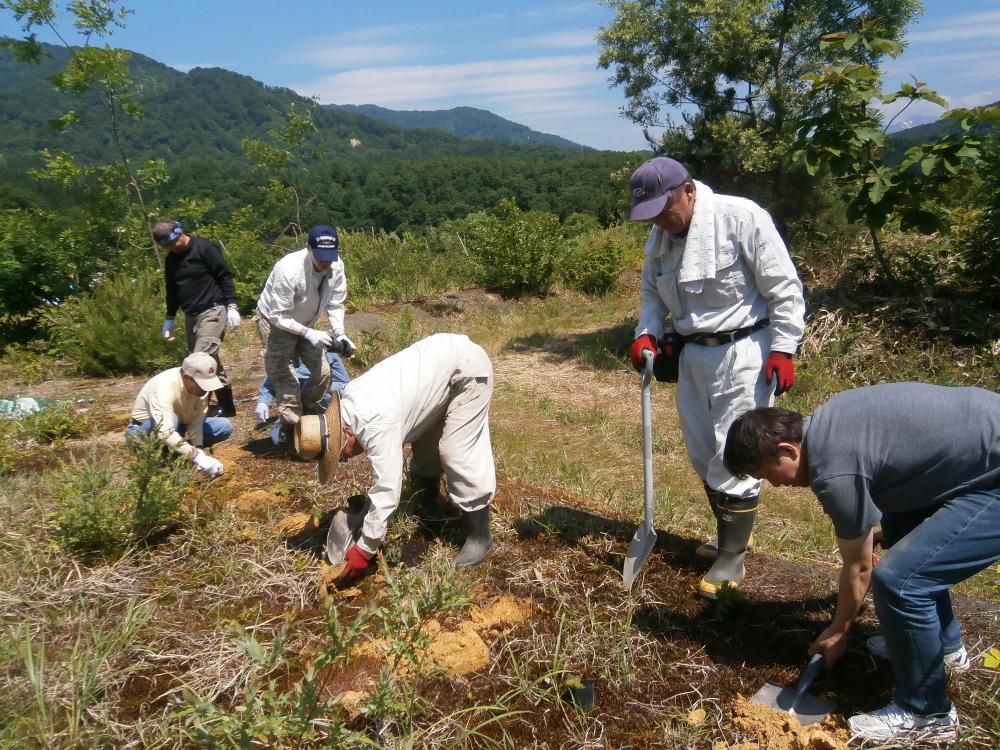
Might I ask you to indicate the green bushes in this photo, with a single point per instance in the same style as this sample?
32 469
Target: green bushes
116 329
516 251
102 511
384 267
592 262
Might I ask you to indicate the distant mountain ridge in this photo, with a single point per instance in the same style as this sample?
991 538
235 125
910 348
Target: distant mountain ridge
904 139
467 123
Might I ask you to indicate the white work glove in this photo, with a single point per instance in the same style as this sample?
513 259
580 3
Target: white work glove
318 338
344 345
232 317
207 464
168 328
261 411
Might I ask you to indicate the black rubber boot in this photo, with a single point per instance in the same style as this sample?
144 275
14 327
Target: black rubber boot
735 523
478 541
428 509
710 549
224 398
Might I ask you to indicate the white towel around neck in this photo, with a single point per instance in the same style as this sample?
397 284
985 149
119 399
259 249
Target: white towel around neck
698 261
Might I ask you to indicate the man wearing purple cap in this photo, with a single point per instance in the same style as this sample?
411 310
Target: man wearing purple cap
301 286
718 267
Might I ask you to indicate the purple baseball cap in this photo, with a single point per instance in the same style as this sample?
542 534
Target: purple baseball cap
324 243
651 185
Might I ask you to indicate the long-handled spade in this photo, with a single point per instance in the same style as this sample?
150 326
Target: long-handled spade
645 536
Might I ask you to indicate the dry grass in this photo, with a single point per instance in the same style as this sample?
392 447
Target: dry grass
566 432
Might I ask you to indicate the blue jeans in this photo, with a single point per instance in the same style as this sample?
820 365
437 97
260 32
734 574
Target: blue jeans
214 430
338 379
931 550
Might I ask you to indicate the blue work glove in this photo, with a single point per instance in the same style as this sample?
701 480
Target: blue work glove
168 328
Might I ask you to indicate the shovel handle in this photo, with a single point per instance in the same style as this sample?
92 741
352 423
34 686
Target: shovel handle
809 674
647 436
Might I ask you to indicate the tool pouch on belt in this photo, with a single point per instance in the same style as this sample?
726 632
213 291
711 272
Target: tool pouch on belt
665 366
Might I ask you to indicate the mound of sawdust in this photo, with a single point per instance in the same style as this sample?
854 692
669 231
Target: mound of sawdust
462 650
296 524
696 717
763 727
228 454
505 610
248 502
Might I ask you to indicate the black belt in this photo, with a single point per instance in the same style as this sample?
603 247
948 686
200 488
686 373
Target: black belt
725 337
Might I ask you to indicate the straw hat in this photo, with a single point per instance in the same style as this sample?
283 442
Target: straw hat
319 437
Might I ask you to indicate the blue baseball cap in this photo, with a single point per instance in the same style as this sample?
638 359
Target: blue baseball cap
324 243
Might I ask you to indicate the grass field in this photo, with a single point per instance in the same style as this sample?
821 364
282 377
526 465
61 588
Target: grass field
219 629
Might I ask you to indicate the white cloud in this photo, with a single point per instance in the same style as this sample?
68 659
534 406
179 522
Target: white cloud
978 65
569 39
421 85
960 28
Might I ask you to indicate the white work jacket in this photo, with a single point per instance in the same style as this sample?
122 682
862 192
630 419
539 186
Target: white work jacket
161 399
394 403
296 293
738 272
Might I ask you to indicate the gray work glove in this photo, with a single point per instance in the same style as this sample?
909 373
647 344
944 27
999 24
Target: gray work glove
318 338
343 345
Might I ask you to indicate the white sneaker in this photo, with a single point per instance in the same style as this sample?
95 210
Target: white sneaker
956 661
893 722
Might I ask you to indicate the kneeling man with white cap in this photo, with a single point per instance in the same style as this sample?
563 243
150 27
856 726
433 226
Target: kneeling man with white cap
174 403
434 395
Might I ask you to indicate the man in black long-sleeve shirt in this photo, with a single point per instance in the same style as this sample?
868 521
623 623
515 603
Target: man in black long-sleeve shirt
198 281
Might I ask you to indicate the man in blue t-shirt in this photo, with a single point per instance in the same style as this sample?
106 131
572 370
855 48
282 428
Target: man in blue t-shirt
926 460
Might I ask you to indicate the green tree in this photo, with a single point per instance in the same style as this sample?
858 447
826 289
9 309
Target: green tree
734 68
279 159
102 73
516 251
846 135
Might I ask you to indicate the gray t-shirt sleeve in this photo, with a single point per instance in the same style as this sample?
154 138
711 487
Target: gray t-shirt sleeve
847 499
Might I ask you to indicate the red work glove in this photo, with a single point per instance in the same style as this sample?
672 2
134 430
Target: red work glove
645 341
780 365
357 564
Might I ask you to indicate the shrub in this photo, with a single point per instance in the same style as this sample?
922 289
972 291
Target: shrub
116 329
54 423
593 261
101 512
386 267
516 251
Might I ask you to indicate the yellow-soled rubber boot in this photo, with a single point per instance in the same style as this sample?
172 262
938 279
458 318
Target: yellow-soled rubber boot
735 524
710 549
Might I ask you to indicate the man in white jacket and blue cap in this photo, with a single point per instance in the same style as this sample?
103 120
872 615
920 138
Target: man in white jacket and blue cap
434 396
716 265
301 286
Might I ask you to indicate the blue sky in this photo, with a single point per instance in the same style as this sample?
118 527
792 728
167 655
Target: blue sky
531 62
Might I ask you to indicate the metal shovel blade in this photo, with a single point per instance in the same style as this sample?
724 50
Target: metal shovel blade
638 550
645 536
338 538
807 708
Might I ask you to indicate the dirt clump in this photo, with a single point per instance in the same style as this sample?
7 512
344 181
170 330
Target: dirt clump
296 524
696 717
763 727
256 500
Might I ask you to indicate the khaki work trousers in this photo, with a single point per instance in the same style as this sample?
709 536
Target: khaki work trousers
281 350
205 332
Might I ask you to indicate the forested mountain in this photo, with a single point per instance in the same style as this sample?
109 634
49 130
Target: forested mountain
904 139
360 171
464 122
